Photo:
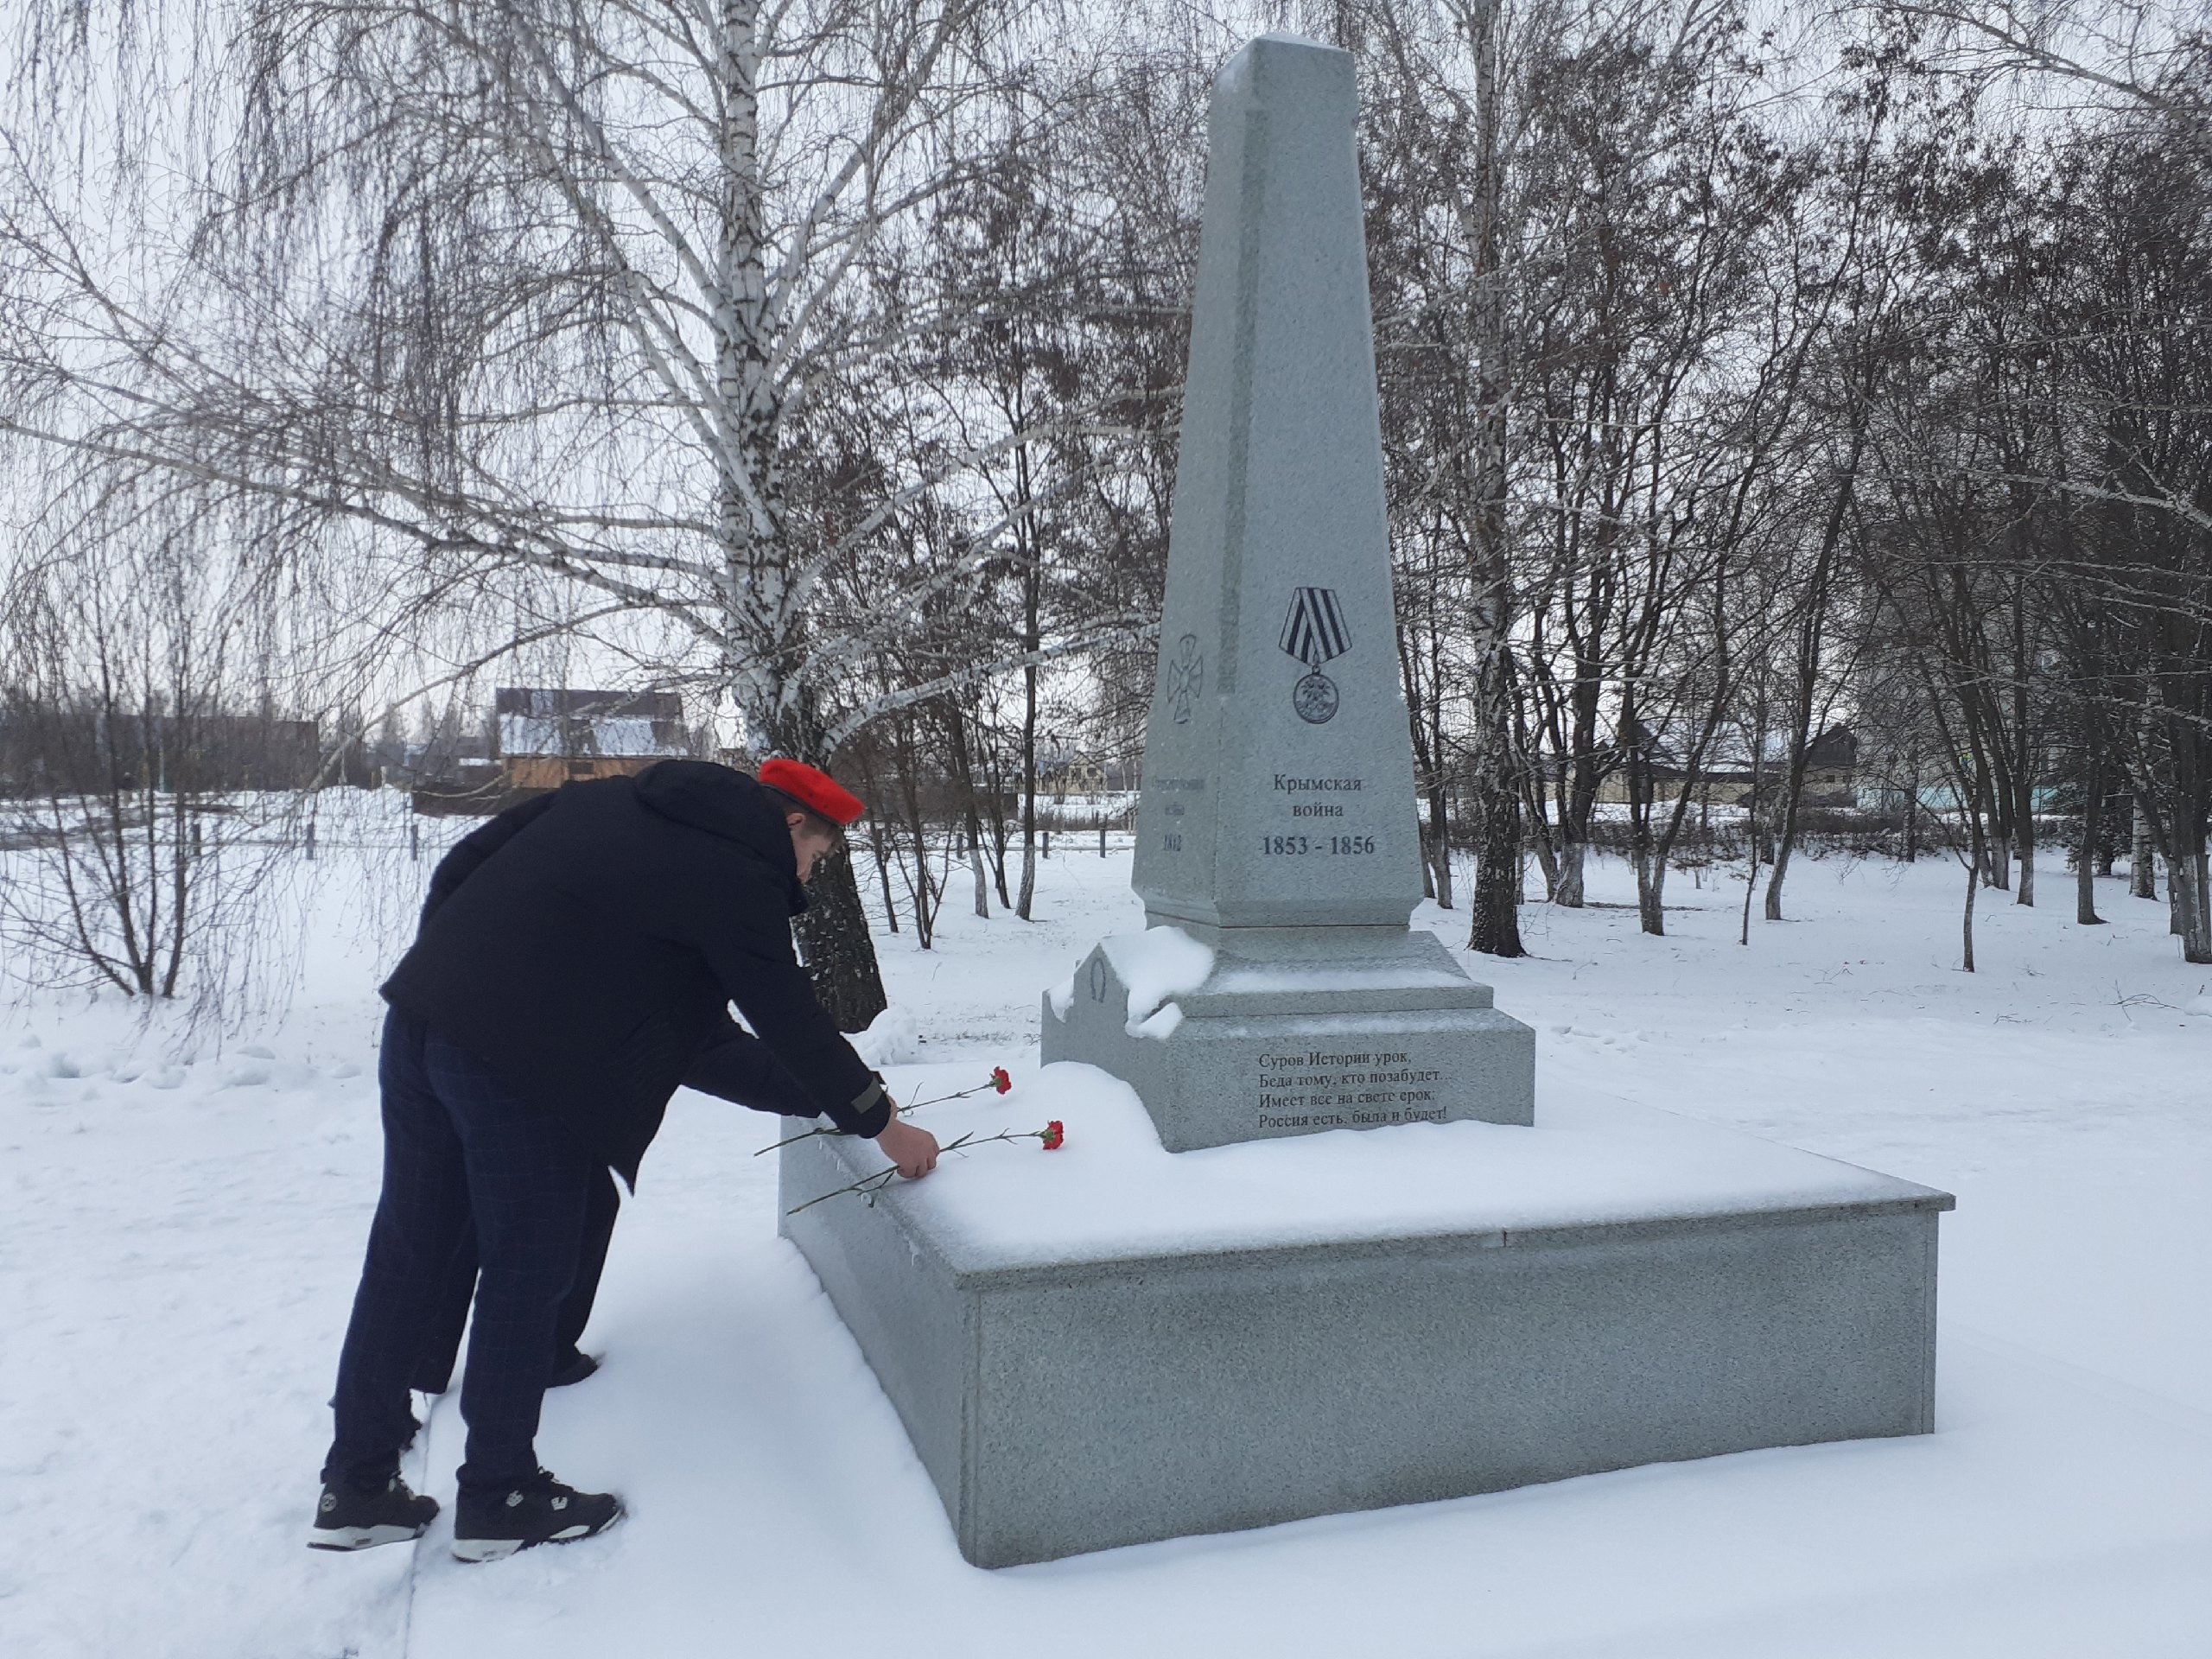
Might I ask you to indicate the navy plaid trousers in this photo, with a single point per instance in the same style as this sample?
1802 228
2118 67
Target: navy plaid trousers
460 1147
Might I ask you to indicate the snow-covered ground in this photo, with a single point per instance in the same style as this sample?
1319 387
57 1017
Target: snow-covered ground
178 1244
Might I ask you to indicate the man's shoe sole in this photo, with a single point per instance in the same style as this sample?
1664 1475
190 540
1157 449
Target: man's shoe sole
362 1537
476 1551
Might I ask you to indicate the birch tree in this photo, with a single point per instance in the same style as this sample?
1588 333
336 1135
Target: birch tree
536 291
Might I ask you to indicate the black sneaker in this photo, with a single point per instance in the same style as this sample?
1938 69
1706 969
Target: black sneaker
491 1526
572 1366
347 1519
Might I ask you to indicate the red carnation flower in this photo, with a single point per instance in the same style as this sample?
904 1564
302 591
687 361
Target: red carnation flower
1000 1081
872 1186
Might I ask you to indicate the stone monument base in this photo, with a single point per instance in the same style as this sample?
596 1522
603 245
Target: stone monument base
1087 1355
1231 1034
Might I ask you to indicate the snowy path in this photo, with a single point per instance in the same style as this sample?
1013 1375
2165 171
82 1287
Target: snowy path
177 1248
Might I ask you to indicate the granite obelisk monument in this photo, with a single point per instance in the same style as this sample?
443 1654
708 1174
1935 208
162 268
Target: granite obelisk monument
1276 828
1119 1343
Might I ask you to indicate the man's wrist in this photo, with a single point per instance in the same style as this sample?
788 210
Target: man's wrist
867 1104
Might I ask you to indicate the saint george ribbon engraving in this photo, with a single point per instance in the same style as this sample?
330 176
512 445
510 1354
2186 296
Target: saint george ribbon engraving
1314 633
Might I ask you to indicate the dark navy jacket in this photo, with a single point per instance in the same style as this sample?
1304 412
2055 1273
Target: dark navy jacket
586 945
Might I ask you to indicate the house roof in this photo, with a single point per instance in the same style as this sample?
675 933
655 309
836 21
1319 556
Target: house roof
563 720
1731 754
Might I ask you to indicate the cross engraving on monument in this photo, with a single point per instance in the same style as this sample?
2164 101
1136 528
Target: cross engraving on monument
1278 989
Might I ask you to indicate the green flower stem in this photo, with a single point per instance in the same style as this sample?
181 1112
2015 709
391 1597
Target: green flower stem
938 1100
874 1185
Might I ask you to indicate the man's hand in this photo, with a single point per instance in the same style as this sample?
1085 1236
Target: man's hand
914 1150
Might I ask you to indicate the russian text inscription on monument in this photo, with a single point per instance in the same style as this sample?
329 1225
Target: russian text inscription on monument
1331 798
1317 1088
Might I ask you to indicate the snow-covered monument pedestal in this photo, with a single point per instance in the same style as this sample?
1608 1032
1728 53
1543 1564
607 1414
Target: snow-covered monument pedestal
1118 1344
1209 1313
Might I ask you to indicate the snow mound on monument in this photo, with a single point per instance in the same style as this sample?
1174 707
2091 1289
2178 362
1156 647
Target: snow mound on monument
1156 965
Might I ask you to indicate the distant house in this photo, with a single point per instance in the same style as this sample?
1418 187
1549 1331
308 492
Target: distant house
543 737
547 738
1726 777
1831 771
1062 771
1071 774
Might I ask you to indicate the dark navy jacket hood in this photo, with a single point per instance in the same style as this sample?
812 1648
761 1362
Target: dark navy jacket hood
727 804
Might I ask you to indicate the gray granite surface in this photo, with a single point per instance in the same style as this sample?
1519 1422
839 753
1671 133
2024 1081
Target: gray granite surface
1150 1388
1278 780
1276 822
1197 1318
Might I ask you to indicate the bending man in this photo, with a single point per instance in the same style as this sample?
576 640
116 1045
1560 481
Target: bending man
552 1003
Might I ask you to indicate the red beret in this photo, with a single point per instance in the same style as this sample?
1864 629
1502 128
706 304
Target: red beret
821 792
